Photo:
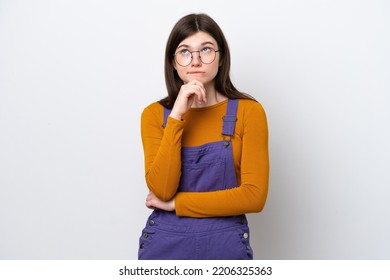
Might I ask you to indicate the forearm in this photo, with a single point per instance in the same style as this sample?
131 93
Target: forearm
244 199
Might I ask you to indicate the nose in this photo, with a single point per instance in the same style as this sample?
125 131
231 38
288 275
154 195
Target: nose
196 58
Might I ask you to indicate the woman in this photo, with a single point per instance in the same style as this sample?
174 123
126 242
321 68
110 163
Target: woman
206 152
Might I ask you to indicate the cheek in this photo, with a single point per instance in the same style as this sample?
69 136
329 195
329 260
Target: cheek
216 65
182 75
214 71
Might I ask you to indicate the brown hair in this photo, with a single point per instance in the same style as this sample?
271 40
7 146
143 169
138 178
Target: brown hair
185 27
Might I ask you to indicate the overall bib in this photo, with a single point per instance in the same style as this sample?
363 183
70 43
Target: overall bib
209 167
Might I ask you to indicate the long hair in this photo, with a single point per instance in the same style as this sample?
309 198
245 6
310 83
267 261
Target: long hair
185 27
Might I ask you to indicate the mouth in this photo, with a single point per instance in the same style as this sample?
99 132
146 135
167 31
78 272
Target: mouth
195 72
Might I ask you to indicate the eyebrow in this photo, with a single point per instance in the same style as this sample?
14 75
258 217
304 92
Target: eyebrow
203 44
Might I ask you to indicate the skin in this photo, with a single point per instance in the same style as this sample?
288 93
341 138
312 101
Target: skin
198 90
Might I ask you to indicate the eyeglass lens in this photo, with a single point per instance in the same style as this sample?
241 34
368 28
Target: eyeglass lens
206 56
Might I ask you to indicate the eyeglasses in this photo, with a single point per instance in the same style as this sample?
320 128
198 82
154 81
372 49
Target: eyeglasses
206 55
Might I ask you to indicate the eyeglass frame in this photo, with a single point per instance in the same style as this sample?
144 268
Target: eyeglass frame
192 57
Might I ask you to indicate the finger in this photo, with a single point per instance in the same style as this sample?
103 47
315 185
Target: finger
196 82
150 206
202 90
199 91
202 94
190 88
200 84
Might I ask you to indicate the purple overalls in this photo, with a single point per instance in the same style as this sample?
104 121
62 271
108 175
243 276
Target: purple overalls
209 167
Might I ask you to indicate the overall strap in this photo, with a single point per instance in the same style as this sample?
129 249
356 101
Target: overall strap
166 114
229 120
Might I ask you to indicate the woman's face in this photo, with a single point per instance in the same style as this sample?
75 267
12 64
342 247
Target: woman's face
198 43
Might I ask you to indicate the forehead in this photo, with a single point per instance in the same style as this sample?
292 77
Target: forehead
198 39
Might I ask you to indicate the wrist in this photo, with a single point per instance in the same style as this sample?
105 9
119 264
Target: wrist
176 115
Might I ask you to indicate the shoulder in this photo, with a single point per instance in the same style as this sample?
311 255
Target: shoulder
249 106
153 111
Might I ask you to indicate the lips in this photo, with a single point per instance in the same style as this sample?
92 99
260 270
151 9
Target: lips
196 72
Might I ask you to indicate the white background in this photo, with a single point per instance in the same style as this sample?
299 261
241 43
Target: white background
76 75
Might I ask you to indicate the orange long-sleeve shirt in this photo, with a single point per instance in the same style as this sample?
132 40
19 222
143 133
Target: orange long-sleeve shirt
162 149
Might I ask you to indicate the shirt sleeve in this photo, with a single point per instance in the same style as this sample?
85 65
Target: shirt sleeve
251 195
162 151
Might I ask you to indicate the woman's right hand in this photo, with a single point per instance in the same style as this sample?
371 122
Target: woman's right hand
186 96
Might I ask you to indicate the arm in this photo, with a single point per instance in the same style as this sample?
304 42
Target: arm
162 151
162 147
251 195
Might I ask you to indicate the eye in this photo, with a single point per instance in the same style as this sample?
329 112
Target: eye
184 52
206 50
